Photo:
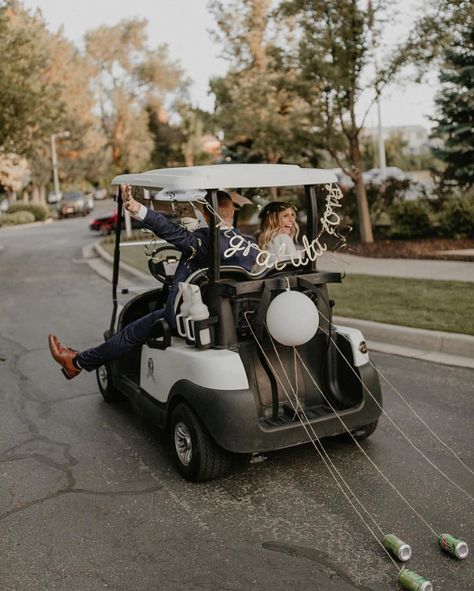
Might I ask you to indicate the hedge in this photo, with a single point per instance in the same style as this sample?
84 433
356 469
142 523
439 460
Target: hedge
17 217
39 211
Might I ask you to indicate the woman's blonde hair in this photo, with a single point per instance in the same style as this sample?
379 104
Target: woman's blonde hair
270 223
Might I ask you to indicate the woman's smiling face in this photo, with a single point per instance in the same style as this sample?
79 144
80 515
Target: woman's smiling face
286 219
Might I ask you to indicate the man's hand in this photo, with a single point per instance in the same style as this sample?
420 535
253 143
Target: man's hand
129 202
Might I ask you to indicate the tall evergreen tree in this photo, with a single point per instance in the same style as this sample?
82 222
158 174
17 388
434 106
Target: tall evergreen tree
455 105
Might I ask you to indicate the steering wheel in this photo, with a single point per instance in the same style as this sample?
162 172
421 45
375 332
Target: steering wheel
162 262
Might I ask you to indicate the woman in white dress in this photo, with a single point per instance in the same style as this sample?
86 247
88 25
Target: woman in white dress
278 232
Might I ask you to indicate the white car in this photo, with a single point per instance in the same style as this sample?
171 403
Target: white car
374 175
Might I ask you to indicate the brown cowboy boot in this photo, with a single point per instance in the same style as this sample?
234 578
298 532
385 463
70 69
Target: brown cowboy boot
64 356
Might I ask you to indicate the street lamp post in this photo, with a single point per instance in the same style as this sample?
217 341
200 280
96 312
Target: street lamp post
380 139
54 158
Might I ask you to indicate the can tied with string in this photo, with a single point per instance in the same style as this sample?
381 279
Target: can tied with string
453 546
412 581
397 547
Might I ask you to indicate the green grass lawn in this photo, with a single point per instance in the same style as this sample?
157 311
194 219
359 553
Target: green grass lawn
436 305
132 255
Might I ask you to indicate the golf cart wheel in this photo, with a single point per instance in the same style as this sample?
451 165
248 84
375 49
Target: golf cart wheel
197 457
109 392
365 431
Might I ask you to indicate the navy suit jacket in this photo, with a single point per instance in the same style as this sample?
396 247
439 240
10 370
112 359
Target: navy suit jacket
195 249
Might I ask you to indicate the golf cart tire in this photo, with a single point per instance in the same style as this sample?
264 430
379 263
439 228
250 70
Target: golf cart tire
109 393
365 431
197 457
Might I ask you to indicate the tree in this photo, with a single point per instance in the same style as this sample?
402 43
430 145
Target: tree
14 174
28 105
257 107
435 30
455 106
336 59
167 140
130 81
81 155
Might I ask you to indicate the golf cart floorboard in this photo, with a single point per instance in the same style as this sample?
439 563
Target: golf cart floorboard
288 415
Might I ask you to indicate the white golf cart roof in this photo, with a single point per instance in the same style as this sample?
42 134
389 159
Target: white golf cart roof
226 176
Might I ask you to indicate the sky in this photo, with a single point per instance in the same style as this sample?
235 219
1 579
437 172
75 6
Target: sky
184 26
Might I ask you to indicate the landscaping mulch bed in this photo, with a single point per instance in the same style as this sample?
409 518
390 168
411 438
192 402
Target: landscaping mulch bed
414 249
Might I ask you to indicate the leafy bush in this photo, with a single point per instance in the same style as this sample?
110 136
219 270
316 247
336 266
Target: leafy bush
17 217
410 219
380 198
40 212
456 218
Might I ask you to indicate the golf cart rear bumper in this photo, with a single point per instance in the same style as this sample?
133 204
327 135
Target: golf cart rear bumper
231 417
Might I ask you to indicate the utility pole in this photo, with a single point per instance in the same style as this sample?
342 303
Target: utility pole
380 139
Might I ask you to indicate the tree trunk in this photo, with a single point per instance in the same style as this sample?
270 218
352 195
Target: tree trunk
365 225
35 194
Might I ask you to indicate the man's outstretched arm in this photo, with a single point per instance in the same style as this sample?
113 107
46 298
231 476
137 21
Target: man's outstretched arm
159 224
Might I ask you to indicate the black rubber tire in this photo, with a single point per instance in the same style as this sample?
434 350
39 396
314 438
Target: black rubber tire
188 437
109 393
365 431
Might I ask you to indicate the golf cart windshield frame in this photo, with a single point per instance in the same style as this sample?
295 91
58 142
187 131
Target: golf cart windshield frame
182 180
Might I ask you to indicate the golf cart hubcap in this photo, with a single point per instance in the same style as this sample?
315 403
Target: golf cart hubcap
102 375
183 443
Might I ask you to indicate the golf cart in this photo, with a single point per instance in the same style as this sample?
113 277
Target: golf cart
228 384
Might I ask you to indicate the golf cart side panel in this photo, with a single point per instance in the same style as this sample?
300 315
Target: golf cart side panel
232 419
213 369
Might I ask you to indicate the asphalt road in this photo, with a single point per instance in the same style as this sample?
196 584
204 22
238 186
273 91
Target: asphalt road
89 497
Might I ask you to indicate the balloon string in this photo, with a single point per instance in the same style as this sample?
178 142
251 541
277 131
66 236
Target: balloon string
384 412
351 434
314 439
361 449
400 395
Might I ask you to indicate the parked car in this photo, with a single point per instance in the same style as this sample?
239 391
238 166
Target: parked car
100 194
106 223
217 384
73 203
374 175
343 179
90 201
54 197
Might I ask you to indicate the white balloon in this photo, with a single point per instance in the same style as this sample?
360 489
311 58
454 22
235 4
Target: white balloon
292 318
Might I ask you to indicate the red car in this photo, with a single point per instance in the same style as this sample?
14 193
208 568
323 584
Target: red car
106 224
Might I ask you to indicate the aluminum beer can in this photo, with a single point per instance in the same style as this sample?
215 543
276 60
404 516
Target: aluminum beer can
397 547
412 581
453 546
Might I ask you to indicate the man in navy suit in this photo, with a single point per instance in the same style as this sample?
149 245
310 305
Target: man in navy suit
193 245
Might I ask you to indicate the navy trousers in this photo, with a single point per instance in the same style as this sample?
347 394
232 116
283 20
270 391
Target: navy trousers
135 333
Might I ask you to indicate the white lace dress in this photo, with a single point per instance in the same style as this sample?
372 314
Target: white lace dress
280 247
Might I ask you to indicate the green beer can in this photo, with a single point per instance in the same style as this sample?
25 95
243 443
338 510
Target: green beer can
453 546
397 547
412 581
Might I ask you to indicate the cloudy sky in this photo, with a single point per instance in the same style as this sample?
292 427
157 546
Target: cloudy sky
184 26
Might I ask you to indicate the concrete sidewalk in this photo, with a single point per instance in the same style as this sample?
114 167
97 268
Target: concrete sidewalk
415 268
429 345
